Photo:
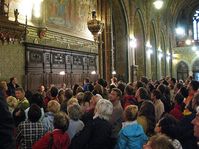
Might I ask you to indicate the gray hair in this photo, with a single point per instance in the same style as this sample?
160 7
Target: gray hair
74 112
103 109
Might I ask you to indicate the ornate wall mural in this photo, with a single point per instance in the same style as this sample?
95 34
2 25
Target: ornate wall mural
69 14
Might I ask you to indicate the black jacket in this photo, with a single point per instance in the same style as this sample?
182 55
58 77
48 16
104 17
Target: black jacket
7 140
95 135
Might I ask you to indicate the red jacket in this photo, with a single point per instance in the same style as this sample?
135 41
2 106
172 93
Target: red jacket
176 112
60 140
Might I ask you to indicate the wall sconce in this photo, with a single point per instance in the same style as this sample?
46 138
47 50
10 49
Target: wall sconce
62 73
149 52
114 72
188 42
160 55
93 72
148 45
95 26
158 4
41 32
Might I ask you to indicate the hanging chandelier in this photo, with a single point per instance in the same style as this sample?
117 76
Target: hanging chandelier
95 26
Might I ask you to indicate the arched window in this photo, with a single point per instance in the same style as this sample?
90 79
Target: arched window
182 71
196 25
195 69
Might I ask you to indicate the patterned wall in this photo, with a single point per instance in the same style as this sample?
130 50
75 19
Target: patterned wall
12 62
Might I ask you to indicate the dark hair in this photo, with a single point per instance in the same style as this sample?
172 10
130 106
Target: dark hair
144 80
143 93
173 80
11 79
37 99
54 91
61 121
34 113
87 96
101 82
87 80
179 85
111 87
139 84
168 125
147 109
165 82
194 84
121 85
129 90
179 98
68 94
184 91
18 116
161 88
157 94
118 91
75 88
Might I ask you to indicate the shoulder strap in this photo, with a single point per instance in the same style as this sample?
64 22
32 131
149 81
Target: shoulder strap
50 144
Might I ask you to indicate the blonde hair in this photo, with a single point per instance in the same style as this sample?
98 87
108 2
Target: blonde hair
72 101
12 101
131 112
53 106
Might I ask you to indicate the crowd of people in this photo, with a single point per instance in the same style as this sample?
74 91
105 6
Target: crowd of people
146 114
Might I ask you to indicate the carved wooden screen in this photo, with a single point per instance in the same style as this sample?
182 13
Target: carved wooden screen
44 66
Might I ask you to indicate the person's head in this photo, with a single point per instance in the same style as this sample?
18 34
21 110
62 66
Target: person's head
12 102
141 94
19 93
79 89
63 86
72 101
129 90
13 80
18 116
68 93
161 88
130 113
144 80
103 109
159 141
75 88
121 85
172 81
195 122
98 89
86 81
193 86
74 112
53 106
178 98
184 91
41 88
61 121
37 99
34 113
114 80
167 125
95 99
80 97
115 95
54 92
3 86
138 85
61 95
155 95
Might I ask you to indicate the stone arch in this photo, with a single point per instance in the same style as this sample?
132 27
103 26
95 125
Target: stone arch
182 70
120 39
140 51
